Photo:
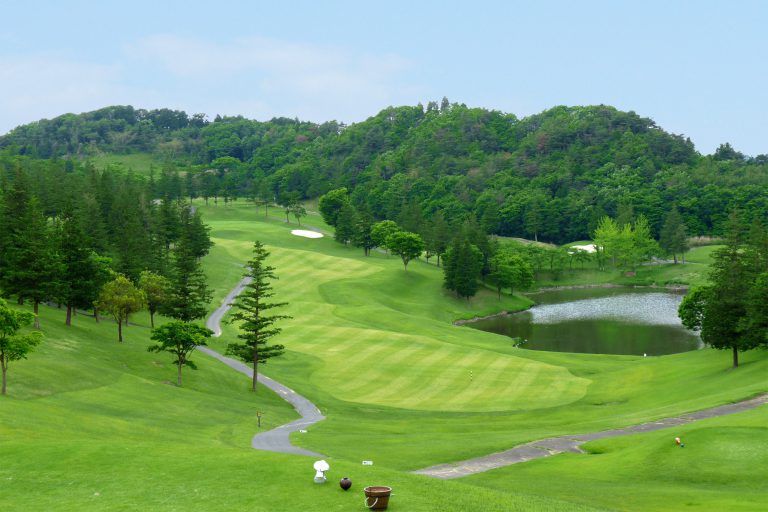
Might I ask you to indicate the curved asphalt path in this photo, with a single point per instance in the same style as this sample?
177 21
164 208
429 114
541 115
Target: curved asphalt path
277 439
554 445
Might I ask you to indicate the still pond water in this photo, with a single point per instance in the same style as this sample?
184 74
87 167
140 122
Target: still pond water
599 321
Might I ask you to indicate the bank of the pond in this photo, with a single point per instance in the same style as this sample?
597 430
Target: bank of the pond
676 287
465 321
598 320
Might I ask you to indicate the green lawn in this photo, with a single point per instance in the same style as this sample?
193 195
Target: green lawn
723 466
139 163
691 273
90 424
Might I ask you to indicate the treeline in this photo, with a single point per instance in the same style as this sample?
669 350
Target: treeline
471 257
66 232
171 134
550 176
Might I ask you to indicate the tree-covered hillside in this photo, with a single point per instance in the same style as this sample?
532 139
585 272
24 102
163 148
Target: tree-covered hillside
549 176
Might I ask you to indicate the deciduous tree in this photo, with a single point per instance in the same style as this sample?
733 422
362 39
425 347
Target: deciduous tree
511 270
180 339
330 204
405 244
298 211
155 288
382 230
120 298
15 346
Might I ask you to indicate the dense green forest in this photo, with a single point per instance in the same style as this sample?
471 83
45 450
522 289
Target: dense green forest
66 230
550 176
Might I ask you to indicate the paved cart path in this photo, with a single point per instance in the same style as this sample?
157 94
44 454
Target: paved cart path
277 439
554 445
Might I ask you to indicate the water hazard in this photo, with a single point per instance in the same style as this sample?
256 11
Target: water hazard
599 321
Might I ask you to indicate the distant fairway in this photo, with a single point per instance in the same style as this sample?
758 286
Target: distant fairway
138 163
384 362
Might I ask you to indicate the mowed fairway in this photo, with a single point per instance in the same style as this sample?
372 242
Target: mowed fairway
90 424
395 357
374 346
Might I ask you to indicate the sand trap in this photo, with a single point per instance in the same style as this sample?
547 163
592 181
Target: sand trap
587 248
306 234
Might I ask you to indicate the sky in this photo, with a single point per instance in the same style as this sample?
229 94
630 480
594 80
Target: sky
697 68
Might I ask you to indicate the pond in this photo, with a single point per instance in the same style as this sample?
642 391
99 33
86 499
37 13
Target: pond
599 321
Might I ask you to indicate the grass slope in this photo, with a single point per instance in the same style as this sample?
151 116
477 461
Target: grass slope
373 345
139 163
723 467
94 425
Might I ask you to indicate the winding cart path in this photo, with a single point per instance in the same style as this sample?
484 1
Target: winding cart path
277 439
554 445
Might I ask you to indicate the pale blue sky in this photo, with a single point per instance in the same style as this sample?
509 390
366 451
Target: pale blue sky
696 67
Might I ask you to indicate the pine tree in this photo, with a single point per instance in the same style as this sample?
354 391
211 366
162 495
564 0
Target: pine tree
37 266
440 235
362 237
469 263
190 186
79 268
134 248
188 295
15 212
92 223
195 231
463 264
450 265
724 309
673 238
346 222
168 223
256 328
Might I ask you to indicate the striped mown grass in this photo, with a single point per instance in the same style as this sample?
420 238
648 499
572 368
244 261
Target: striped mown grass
91 424
386 361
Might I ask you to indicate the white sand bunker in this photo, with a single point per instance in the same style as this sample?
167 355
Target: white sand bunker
587 248
306 234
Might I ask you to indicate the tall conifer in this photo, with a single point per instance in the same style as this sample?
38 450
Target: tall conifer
256 327
188 295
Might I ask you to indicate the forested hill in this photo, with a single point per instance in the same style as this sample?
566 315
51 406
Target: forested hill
550 175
